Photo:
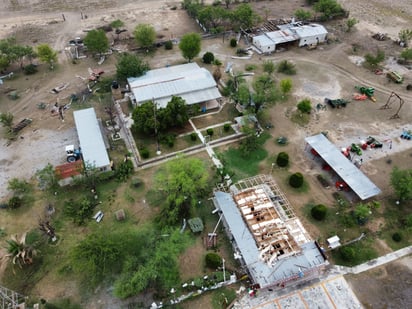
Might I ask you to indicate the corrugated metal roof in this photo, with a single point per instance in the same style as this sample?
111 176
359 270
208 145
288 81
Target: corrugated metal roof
349 173
261 272
310 30
189 81
90 137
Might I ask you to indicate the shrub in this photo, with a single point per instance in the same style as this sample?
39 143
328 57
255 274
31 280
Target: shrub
233 42
250 67
296 180
283 159
170 140
15 202
169 45
145 153
209 131
226 127
30 69
318 212
208 57
213 260
136 182
397 237
193 136
305 106
287 68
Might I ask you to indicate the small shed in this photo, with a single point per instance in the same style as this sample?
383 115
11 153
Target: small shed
333 242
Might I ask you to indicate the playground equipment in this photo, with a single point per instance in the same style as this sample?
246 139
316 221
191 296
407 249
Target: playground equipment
389 103
368 91
394 76
337 103
72 154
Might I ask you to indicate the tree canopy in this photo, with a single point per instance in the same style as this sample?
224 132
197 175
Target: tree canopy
47 54
182 181
401 182
11 52
130 65
145 35
96 41
190 45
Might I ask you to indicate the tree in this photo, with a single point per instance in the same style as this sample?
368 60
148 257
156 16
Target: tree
362 213
47 54
19 252
182 181
6 120
244 17
407 54
130 66
286 86
372 60
329 9
18 186
303 15
208 58
250 143
268 67
190 45
282 159
145 35
318 212
305 106
175 114
47 178
96 41
296 180
213 260
287 68
4 62
401 182
117 24
143 118
405 35
214 18
350 23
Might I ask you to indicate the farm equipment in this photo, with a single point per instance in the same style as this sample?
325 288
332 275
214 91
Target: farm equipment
73 154
22 124
406 135
341 185
356 149
373 142
337 103
394 76
368 91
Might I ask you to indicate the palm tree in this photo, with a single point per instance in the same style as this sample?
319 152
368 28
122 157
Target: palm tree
19 252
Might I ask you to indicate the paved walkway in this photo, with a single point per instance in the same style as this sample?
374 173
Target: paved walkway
390 257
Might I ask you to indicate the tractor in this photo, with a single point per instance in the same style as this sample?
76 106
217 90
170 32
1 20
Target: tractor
368 91
356 149
373 142
73 154
337 103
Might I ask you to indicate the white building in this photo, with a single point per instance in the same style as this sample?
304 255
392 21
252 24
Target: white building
91 140
188 81
305 35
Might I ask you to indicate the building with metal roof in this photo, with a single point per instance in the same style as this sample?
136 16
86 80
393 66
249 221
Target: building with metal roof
305 35
345 169
91 140
269 240
188 81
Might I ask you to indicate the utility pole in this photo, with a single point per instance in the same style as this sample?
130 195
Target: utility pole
158 152
224 272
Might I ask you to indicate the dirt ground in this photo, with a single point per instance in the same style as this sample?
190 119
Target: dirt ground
330 71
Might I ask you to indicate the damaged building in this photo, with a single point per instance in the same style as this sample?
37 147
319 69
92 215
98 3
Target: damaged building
269 240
